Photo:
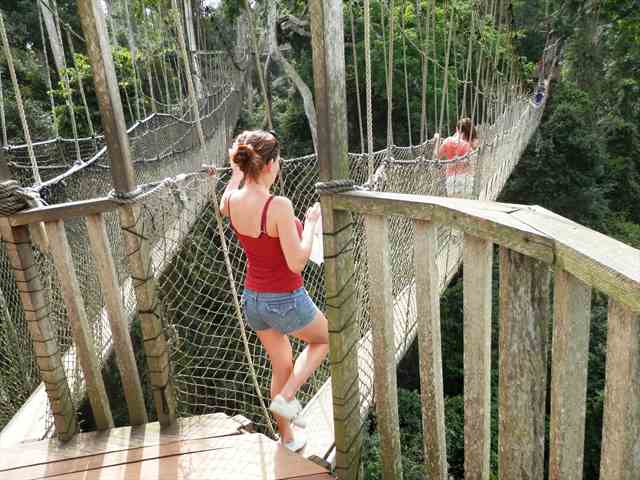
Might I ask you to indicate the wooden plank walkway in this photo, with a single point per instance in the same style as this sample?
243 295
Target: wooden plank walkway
211 447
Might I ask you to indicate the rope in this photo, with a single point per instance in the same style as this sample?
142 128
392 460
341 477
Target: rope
16 88
406 77
256 54
424 70
355 74
390 79
134 62
14 198
3 124
445 81
236 304
367 63
335 186
87 112
468 67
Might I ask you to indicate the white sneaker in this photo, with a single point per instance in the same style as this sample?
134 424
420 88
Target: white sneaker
288 409
297 443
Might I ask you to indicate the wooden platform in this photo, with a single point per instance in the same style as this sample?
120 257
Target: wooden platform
208 447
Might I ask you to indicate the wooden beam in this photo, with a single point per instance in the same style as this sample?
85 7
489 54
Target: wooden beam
43 333
327 40
63 211
138 251
596 259
620 459
111 292
570 355
108 93
487 220
191 39
156 346
330 91
384 368
524 312
61 253
427 296
478 269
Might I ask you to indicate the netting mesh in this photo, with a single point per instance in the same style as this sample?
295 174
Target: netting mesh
196 304
211 369
161 146
208 360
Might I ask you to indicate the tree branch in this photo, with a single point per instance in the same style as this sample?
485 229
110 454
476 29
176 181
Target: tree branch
303 89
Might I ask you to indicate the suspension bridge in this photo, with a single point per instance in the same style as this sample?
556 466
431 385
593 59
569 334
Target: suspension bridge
121 231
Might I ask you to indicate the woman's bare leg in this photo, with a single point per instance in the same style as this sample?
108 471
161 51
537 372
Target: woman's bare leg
316 334
281 356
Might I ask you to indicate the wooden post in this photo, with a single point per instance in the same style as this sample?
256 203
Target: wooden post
620 458
477 261
125 358
193 47
43 334
570 354
384 365
61 253
137 246
190 87
430 349
524 311
344 331
55 41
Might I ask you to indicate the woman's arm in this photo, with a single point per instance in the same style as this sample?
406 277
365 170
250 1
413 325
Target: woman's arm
232 186
296 250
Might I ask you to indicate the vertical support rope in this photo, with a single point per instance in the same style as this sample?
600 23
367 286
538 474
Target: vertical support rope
19 103
134 61
3 124
87 112
67 85
256 54
435 66
367 63
355 73
236 303
424 69
445 81
468 67
390 80
406 77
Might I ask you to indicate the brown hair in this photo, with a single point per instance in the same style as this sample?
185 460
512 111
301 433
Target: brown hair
467 130
252 150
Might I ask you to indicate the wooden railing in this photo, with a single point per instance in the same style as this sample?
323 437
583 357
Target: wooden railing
139 288
534 245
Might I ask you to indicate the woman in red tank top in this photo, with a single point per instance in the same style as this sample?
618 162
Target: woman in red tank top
274 300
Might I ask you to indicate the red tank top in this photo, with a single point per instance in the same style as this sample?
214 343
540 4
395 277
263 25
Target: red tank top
267 269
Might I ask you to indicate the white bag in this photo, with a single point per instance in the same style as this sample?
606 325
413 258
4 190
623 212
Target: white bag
317 247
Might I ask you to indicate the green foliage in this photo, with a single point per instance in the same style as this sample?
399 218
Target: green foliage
567 158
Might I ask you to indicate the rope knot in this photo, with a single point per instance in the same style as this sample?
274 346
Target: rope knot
335 186
14 198
125 197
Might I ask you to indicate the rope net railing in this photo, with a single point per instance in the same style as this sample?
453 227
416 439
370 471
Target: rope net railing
211 369
162 146
209 364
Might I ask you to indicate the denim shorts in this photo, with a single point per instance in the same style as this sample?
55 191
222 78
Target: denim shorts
284 312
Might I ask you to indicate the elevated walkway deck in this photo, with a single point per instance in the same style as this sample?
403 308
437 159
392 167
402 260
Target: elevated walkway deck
211 447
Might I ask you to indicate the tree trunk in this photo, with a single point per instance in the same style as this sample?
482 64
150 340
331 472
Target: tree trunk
301 86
